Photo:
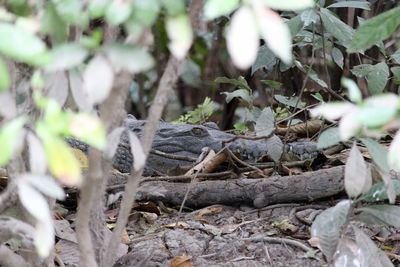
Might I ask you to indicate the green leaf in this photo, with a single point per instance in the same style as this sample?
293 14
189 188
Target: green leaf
289 5
180 34
340 30
10 135
375 30
376 75
89 129
61 160
66 56
53 25
4 76
98 87
69 11
378 152
21 45
357 177
97 8
396 74
352 4
240 93
216 8
118 12
378 192
328 138
378 110
273 84
292 101
337 56
354 91
369 255
389 214
265 59
396 56
309 16
265 123
200 114
129 58
327 227
295 25
240 82
146 12
174 7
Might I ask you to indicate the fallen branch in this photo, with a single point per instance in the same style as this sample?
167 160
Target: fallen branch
258 192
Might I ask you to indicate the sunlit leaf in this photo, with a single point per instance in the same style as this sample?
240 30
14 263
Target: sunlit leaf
89 129
34 202
375 30
10 138
349 125
275 33
216 8
129 58
66 56
80 96
327 227
265 123
112 142
44 237
378 110
45 184
356 176
180 35
242 38
328 138
118 11
393 153
289 4
22 45
354 91
61 160
137 151
174 7
37 156
332 111
4 76
8 107
98 79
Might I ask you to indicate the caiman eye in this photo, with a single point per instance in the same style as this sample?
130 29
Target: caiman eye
199 131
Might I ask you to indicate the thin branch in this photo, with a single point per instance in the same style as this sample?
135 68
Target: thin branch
167 82
87 253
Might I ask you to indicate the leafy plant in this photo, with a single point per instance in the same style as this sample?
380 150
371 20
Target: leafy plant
200 114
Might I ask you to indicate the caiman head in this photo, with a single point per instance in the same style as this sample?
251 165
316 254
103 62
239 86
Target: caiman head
181 140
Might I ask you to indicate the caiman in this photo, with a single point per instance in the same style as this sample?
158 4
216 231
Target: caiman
186 142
